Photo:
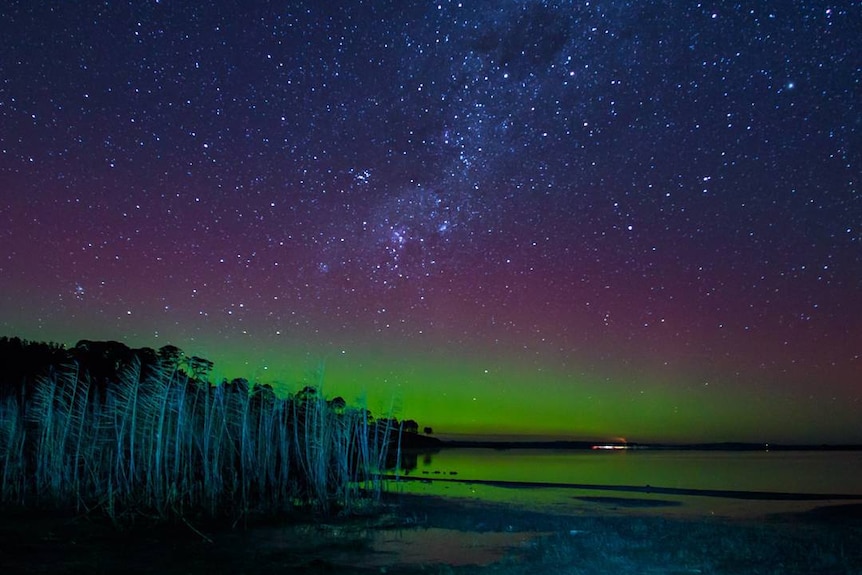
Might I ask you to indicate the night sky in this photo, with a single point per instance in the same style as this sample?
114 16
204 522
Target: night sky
591 219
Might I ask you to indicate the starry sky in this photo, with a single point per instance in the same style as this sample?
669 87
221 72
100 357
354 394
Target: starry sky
591 219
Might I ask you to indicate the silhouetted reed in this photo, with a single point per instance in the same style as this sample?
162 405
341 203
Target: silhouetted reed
159 444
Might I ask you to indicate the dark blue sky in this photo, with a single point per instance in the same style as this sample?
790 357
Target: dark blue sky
630 201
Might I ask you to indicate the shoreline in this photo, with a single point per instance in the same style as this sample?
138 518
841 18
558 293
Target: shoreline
720 493
414 532
419 443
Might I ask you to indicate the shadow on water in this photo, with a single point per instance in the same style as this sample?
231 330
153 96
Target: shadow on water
389 547
629 502
381 544
433 545
843 513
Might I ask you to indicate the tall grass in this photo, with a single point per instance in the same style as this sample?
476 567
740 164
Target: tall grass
158 444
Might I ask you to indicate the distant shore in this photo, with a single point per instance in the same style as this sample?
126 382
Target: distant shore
422 442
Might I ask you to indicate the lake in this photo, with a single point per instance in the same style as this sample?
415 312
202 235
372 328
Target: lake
680 481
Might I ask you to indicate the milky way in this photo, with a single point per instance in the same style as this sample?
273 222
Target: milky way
567 219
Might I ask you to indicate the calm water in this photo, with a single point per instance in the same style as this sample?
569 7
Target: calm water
797 472
783 471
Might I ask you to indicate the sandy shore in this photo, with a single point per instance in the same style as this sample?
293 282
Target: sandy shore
431 534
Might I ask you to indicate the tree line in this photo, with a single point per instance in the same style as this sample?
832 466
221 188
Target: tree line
101 426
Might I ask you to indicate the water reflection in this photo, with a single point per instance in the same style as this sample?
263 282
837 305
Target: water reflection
364 548
788 471
434 545
665 482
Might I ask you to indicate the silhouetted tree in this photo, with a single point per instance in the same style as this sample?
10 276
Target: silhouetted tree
171 355
238 385
337 404
102 360
24 361
262 396
199 368
306 393
149 359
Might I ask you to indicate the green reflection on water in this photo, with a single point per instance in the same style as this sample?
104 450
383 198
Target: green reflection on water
449 473
792 472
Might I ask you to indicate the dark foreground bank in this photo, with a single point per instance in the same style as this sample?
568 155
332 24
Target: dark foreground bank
422 534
